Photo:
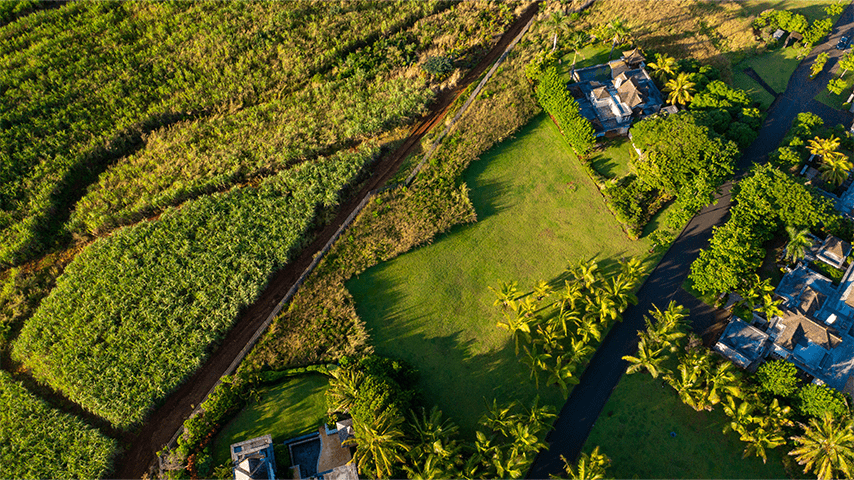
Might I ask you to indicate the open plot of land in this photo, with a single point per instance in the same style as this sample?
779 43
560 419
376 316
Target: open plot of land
636 430
292 408
615 160
774 67
538 211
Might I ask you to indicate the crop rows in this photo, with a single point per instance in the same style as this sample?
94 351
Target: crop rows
38 441
137 312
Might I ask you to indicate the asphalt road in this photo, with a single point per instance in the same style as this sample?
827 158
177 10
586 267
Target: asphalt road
578 415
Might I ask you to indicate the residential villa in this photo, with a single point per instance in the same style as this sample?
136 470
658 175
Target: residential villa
815 330
612 95
319 455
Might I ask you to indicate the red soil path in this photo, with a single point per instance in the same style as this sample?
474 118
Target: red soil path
165 420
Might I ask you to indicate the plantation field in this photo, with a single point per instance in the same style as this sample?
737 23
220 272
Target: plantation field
537 212
137 312
636 427
295 407
219 90
38 441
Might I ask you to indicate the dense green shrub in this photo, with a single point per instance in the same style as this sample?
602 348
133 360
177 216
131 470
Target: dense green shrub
39 441
814 400
765 202
555 99
677 150
631 200
385 385
137 312
777 377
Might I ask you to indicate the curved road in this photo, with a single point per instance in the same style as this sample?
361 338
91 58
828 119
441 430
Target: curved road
577 416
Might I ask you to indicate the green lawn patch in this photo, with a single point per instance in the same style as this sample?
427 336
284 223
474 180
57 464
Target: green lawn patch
688 286
537 212
615 160
635 430
292 408
775 67
833 100
595 54
757 93
812 9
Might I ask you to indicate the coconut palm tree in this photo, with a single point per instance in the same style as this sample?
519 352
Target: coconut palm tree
343 388
663 67
724 378
379 446
620 290
835 168
680 89
799 242
618 29
589 326
563 374
740 414
537 360
823 147
632 269
555 22
576 41
542 290
826 448
690 389
758 440
668 326
776 417
549 335
648 358
518 325
589 467
505 293
436 453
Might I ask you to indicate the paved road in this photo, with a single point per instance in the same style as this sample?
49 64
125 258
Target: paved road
578 415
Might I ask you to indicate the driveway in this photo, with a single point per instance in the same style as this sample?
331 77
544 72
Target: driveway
579 414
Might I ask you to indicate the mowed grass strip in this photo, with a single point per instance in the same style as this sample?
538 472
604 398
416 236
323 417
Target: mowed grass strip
294 407
636 430
537 212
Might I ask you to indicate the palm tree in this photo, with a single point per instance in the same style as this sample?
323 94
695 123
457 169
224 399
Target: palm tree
681 89
379 447
632 269
664 67
537 361
826 448
589 467
799 242
605 307
436 453
563 374
589 326
648 358
835 168
550 336
823 147
741 415
555 22
343 388
758 440
620 290
587 273
618 29
542 290
776 417
505 293
667 326
518 325
690 390
724 378
576 41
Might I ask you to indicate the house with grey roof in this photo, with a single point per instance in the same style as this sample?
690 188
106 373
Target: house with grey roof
613 94
815 330
254 459
834 251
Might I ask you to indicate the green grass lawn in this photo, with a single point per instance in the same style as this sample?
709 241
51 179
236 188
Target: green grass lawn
615 160
834 100
537 212
749 85
635 427
775 67
812 9
292 408
588 56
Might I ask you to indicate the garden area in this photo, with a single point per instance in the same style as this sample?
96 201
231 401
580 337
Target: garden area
636 430
431 307
296 406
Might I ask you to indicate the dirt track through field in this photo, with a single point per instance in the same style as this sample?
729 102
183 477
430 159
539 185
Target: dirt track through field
165 420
